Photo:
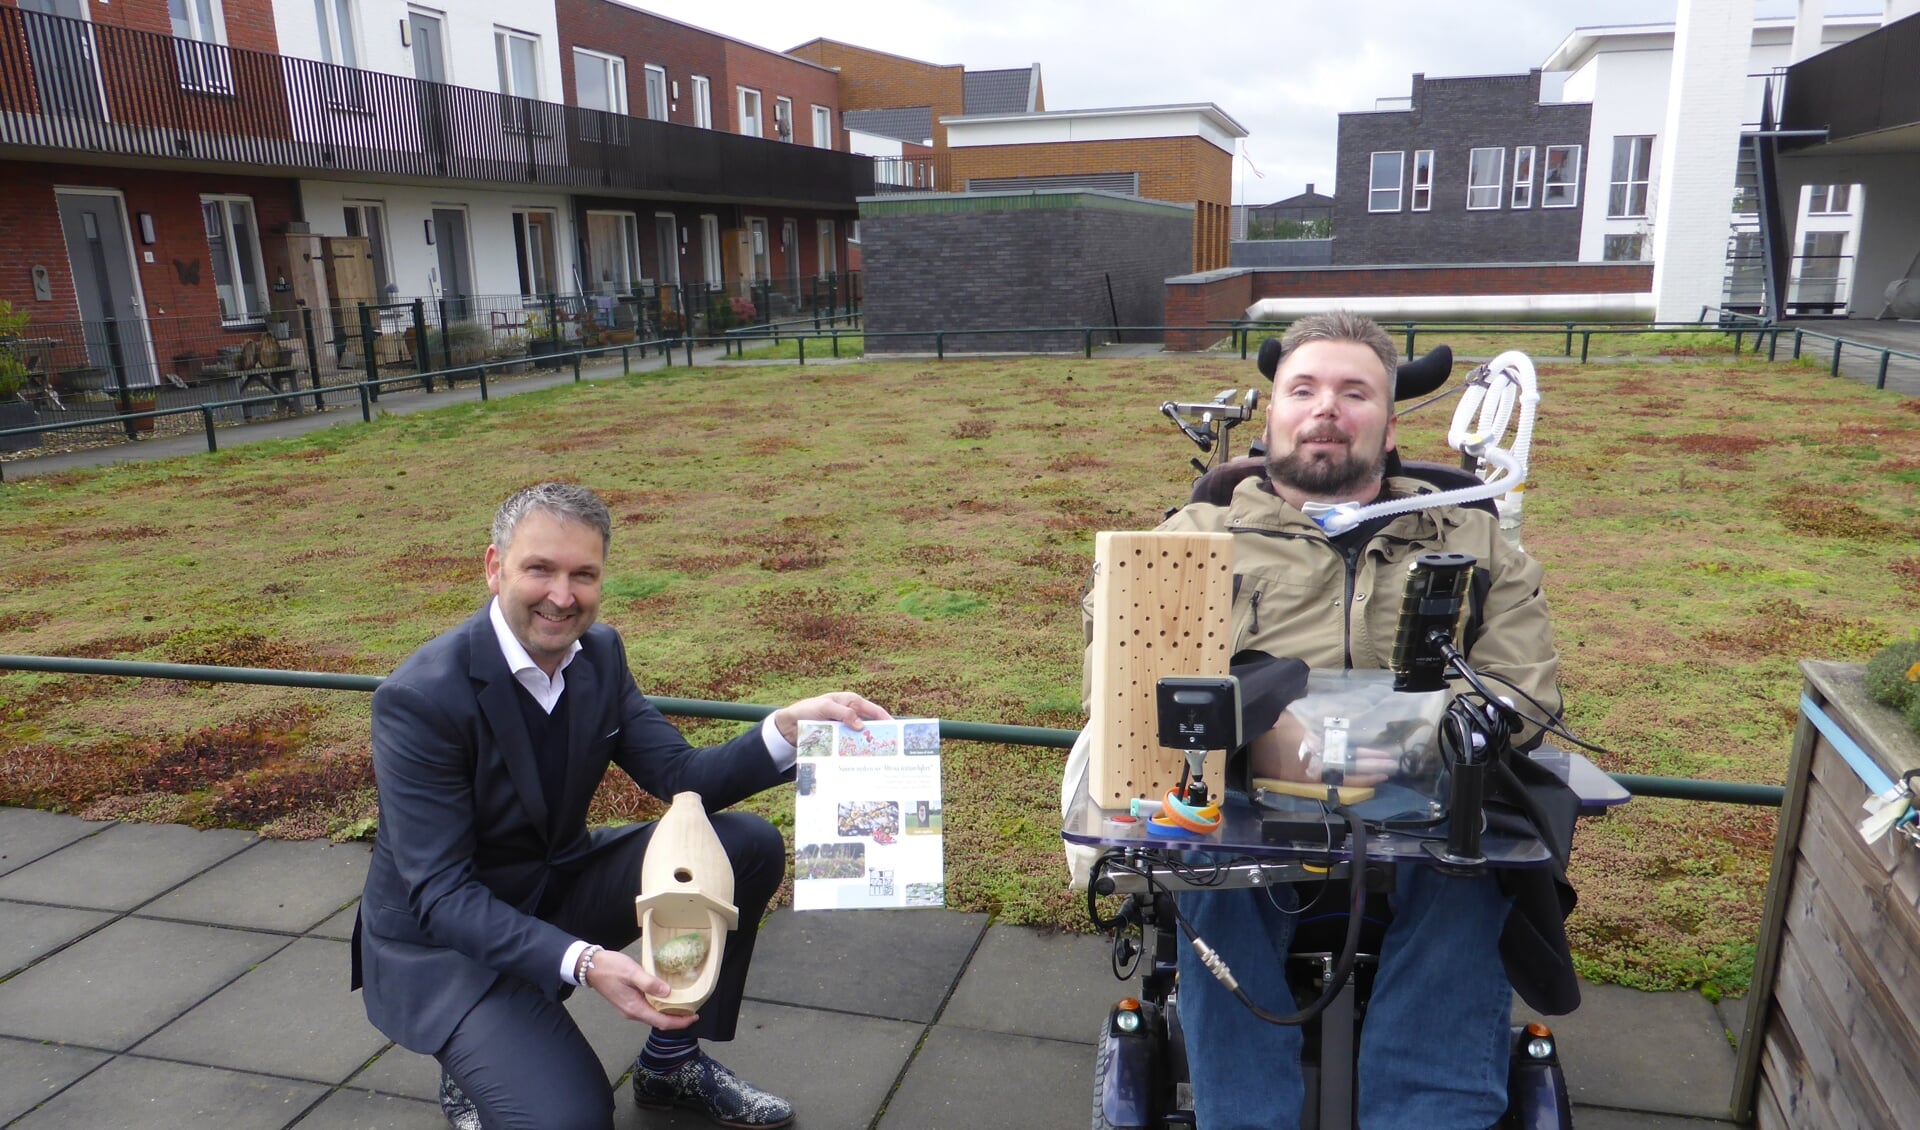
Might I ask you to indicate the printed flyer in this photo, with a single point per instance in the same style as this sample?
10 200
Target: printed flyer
866 816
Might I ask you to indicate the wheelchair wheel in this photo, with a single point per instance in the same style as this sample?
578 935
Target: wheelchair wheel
1129 1077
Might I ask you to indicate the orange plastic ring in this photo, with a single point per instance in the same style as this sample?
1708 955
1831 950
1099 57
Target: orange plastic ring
1183 815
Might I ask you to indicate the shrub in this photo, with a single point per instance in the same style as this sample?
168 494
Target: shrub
1893 680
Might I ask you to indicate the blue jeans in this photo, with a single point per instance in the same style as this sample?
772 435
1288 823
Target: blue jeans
1433 1051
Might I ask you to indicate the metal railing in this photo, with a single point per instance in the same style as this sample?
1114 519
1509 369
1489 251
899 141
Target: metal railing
76 85
1863 86
1681 788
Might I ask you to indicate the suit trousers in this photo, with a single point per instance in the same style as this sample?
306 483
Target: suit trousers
518 1054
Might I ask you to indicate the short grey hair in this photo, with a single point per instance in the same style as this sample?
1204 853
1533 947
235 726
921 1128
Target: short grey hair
567 501
1344 325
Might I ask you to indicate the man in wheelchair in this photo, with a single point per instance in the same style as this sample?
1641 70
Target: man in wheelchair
1434 1049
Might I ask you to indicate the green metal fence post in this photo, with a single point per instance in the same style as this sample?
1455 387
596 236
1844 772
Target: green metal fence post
626 366
483 382
1836 357
939 346
1773 345
206 415
1797 334
370 362
576 366
1246 333
366 402
802 343
446 341
1885 356
1586 340
1089 334
313 356
836 341
553 322
1569 351
1409 341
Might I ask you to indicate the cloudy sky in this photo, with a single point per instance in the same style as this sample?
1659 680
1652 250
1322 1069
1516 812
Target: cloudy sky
1283 68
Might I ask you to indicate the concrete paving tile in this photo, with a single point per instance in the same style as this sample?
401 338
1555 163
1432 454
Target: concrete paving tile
115 987
1056 986
835 1069
33 930
365 1110
1663 1053
274 885
26 834
899 964
340 926
122 866
290 1015
31 1073
964 1077
401 1072
140 1094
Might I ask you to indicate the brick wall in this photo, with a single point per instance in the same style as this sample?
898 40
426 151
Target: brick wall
1542 278
983 269
1196 300
1452 117
641 38
1182 170
775 76
179 281
875 80
249 22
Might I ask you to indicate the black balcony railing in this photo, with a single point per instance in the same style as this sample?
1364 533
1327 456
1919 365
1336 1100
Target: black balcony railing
1869 84
68 84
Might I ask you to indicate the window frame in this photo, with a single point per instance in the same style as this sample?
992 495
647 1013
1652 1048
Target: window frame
822 114
1570 187
1520 196
340 51
1374 188
1639 250
629 223
1820 199
1487 191
668 248
516 110
654 71
759 108
1625 188
615 69
701 87
200 58
827 247
712 261
782 102
248 316
1420 194
523 249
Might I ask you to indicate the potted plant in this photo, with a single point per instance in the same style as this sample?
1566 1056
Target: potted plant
540 339
15 410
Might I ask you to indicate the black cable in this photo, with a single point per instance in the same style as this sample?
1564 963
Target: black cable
1552 723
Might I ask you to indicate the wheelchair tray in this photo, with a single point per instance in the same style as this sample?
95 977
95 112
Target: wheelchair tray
1242 829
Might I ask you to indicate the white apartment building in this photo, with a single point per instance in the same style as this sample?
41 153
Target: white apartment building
1626 73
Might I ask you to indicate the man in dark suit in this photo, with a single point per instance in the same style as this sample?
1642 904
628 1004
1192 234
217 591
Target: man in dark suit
488 898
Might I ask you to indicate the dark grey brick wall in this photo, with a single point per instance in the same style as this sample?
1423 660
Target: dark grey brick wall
1280 252
1042 267
1452 117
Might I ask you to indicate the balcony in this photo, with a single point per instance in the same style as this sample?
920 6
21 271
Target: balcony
78 91
1865 94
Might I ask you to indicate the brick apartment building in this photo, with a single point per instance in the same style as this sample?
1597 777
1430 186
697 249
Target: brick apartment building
172 167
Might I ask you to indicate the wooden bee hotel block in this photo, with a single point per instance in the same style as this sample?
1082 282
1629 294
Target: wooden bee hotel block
1162 605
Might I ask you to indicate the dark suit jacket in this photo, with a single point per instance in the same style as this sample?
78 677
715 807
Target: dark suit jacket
467 843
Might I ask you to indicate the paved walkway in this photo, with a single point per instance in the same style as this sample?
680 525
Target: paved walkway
155 976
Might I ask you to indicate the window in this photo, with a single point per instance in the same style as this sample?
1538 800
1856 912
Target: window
337 36
1821 256
702 102
1632 166
666 234
518 56
1423 180
749 111
613 252
710 249
600 85
199 45
1829 199
599 81
1623 248
1486 171
533 249
822 127
1560 184
233 243
1383 187
783 118
829 254
367 219
1523 176
656 93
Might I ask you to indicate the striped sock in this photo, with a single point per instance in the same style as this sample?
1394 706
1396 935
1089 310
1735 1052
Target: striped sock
665 1052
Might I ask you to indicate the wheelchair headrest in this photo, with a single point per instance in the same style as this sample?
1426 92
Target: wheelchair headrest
1412 379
